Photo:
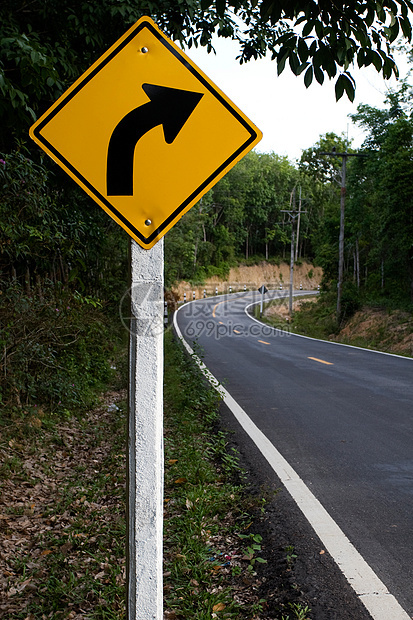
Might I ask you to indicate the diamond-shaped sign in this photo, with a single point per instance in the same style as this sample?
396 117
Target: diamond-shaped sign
145 133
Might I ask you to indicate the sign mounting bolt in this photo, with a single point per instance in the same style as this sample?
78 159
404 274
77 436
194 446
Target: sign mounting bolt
144 50
148 222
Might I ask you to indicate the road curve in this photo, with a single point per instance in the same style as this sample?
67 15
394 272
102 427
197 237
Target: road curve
341 417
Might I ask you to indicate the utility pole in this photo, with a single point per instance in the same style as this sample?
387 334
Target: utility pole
298 226
293 215
344 157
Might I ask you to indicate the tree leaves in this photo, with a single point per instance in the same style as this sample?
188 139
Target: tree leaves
63 521
221 6
218 607
345 83
36 67
308 77
303 51
379 209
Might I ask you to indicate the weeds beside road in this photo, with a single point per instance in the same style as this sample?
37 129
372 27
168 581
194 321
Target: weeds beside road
370 327
62 515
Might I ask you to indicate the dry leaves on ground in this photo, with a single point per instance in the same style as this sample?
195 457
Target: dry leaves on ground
62 519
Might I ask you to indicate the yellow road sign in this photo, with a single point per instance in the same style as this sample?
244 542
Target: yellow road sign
145 132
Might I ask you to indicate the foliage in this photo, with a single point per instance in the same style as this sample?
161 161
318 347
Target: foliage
37 232
50 231
320 167
380 206
55 351
316 320
54 333
241 216
45 46
323 178
364 323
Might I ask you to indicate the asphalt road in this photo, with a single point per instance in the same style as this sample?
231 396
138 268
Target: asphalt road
341 416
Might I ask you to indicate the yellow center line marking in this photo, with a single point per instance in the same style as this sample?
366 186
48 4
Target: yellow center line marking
263 342
215 307
321 361
236 331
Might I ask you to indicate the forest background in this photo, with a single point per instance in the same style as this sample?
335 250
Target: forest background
64 263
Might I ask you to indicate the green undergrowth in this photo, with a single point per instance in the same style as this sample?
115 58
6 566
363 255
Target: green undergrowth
317 319
63 489
372 326
63 519
211 555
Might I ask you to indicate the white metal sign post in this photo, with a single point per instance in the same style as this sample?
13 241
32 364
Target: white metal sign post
145 435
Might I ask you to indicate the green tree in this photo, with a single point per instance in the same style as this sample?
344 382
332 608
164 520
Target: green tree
49 232
45 45
238 217
381 199
321 175
320 167
251 197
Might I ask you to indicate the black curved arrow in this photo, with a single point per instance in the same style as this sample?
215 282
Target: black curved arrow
168 107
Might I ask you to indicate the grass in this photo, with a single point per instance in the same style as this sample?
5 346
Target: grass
317 320
63 512
371 328
64 555
207 512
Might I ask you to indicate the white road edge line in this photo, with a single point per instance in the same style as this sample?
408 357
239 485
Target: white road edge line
339 344
369 588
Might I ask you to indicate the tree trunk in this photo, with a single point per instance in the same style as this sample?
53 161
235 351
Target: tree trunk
27 280
411 280
354 265
357 263
62 269
195 252
39 287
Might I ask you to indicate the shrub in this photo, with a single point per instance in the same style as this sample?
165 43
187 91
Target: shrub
54 349
350 301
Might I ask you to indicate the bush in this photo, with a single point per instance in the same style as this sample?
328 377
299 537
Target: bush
54 349
350 301
210 271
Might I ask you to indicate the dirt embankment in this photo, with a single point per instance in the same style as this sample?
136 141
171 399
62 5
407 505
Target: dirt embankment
388 331
391 332
282 309
252 277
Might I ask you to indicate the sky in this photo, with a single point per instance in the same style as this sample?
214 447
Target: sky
291 117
